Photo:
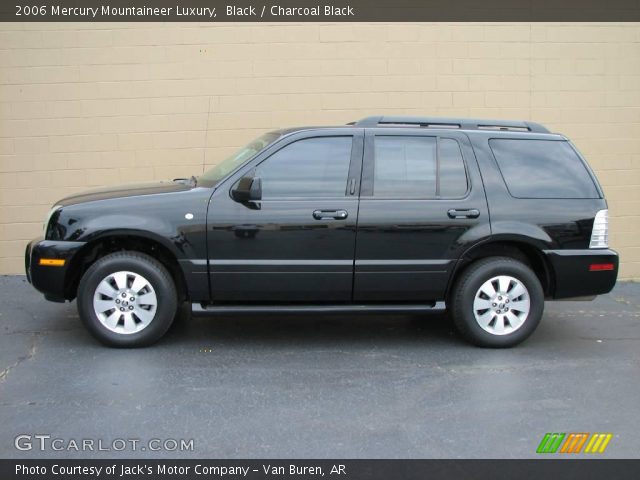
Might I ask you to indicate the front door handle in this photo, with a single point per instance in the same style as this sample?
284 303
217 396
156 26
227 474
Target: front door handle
327 214
468 213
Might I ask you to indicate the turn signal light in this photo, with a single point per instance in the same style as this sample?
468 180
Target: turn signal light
51 262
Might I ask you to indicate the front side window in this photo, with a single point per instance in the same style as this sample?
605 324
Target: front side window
542 169
418 167
313 167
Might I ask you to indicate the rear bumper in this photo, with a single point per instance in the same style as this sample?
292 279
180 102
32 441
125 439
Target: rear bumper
580 273
47 276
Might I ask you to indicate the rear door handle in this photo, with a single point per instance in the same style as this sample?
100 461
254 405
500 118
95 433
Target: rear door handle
468 213
328 214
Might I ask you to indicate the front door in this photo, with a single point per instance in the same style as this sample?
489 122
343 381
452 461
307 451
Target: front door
422 201
297 243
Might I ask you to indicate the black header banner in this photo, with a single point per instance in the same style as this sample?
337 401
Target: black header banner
315 469
320 11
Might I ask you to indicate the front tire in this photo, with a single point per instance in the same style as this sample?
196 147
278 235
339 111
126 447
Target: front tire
497 302
127 299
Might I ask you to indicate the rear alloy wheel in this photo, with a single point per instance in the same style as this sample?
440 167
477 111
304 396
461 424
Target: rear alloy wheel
127 299
501 305
497 302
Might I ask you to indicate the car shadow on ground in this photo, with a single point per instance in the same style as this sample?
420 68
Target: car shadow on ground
312 329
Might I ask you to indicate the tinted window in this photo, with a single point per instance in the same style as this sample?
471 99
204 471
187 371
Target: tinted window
542 169
452 175
417 167
314 167
404 166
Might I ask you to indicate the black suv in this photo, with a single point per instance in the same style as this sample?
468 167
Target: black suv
484 218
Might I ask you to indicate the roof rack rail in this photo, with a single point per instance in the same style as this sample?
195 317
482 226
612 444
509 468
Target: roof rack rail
460 123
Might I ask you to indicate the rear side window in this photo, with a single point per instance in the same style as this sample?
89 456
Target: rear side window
418 167
542 169
452 175
405 166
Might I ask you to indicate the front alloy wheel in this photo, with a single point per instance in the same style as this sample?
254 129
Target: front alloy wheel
125 302
127 299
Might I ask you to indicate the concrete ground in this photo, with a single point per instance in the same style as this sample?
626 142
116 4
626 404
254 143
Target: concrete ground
320 387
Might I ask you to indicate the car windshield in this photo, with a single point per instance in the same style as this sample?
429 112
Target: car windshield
228 165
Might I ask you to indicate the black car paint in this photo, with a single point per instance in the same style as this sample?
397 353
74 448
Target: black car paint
153 212
403 250
428 241
285 254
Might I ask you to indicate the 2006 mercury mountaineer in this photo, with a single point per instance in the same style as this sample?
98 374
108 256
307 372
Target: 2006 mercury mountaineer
484 218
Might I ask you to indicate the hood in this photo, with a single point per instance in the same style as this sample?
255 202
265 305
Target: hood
130 190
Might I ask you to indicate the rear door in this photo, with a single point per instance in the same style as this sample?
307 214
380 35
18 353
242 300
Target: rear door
422 201
297 244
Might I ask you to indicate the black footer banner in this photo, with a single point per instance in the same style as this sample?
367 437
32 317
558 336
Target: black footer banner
582 469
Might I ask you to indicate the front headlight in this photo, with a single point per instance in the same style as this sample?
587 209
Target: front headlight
53 210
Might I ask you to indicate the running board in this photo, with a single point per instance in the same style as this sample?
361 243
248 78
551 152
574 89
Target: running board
199 309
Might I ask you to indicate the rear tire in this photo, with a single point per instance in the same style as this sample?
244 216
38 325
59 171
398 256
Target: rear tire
127 299
497 302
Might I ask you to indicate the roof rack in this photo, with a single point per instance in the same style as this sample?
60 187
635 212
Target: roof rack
454 123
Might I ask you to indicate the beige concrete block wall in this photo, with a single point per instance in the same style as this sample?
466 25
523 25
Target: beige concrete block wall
83 105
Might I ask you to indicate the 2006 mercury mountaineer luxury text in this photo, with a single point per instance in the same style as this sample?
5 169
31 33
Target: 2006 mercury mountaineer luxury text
484 218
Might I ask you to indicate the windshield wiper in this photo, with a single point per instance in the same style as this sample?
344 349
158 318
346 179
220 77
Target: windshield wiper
192 182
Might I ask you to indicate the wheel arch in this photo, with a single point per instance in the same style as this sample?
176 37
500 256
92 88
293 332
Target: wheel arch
111 242
519 249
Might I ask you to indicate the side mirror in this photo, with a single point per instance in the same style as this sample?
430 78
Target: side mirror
248 189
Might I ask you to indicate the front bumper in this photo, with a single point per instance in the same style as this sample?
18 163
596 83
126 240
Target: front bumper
51 278
576 276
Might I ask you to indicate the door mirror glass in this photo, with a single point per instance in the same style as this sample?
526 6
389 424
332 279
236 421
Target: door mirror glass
248 189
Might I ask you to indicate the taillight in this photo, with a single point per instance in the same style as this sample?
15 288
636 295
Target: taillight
601 267
600 232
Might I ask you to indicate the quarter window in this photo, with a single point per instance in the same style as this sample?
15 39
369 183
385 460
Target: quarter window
313 167
542 169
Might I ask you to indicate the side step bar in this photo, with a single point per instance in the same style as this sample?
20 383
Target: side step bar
201 310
